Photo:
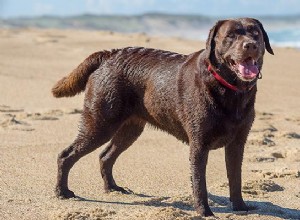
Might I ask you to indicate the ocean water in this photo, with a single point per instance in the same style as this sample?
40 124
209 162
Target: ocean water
285 37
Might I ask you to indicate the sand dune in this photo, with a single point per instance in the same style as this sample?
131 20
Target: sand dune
35 127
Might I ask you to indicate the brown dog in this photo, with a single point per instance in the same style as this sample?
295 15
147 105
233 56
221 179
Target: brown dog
205 99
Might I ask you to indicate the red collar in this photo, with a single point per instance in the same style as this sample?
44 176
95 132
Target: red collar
224 82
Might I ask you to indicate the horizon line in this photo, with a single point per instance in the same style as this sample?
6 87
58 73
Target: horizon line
147 13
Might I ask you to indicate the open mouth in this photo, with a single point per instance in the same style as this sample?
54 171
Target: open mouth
246 70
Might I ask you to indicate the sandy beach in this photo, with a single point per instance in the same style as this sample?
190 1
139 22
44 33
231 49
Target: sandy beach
35 127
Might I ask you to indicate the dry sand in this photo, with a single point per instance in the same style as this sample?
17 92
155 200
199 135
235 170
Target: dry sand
35 127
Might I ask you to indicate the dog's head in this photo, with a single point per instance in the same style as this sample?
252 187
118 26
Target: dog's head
238 45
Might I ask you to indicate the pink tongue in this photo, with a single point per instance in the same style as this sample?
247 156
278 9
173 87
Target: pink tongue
248 69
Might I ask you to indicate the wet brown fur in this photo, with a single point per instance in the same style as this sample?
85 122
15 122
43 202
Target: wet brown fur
127 88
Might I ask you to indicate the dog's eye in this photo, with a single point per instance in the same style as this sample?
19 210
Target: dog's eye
255 34
253 30
231 35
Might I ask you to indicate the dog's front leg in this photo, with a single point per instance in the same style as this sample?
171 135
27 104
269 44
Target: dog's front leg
234 157
198 160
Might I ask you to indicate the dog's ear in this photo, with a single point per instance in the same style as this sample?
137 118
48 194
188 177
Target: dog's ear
266 38
210 42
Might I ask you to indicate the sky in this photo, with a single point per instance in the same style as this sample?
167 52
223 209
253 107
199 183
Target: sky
21 8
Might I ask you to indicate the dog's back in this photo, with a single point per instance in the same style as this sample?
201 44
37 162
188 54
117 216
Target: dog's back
132 64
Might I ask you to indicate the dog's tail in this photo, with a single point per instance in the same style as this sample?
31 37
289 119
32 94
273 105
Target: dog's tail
76 81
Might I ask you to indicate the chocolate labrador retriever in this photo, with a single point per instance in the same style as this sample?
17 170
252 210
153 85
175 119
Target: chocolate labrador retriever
205 99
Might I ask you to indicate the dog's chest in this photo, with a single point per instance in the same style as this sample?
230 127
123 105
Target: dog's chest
233 115
223 131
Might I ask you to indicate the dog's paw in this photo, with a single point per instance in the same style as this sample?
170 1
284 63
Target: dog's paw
240 206
64 194
204 212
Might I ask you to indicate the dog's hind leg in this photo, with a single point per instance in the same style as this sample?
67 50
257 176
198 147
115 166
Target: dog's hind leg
122 139
90 138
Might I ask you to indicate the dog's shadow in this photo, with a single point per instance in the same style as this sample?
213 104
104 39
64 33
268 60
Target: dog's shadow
218 204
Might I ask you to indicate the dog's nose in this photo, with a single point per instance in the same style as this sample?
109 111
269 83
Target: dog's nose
250 46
